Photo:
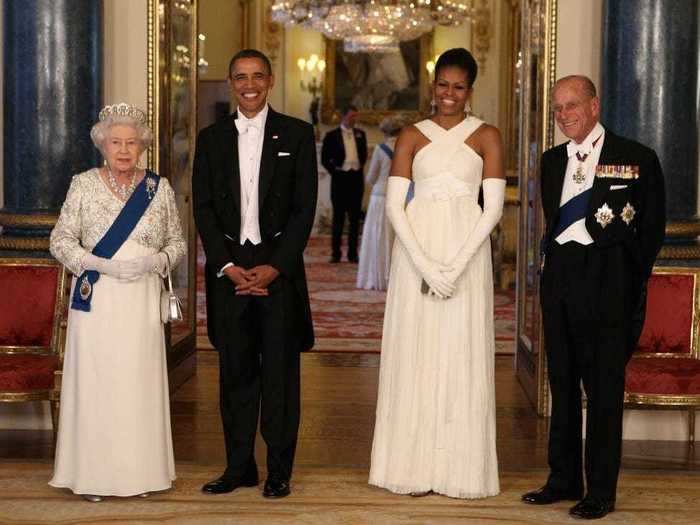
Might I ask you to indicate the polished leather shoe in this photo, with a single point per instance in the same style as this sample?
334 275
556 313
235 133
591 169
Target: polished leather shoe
276 487
547 495
334 260
353 260
226 484
592 508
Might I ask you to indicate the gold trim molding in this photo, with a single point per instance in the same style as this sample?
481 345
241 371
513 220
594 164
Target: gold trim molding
482 31
671 251
683 229
42 220
9 242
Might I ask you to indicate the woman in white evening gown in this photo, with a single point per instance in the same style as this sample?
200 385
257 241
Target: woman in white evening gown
114 426
435 427
377 238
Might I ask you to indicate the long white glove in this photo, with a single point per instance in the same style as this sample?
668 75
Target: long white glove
494 194
126 270
431 271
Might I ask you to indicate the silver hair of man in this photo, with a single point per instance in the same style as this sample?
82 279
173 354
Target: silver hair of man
100 131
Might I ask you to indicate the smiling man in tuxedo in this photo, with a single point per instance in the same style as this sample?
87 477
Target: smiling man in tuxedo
604 207
254 187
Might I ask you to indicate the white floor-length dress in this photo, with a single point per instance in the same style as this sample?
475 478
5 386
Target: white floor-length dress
435 423
377 238
114 436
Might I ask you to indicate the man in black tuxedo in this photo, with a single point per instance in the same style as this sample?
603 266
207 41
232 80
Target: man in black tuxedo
343 155
604 207
254 189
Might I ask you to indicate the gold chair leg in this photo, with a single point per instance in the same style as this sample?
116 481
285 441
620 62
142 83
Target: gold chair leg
55 407
691 426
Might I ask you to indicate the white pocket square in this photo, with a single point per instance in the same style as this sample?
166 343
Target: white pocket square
283 154
618 186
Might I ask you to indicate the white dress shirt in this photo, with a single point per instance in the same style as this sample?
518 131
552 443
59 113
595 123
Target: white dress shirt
352 160
577 232
251 134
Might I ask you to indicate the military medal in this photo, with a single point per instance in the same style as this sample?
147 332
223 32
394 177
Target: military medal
604 215
579 175
628 213
85 288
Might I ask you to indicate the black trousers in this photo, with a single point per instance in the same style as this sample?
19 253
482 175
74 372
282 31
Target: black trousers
259 373
585 305
347 188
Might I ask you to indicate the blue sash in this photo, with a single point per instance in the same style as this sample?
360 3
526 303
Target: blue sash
572 210
386 149
118 233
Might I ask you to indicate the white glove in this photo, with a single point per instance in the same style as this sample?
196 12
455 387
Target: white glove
128 270
494 194
117 269
431 271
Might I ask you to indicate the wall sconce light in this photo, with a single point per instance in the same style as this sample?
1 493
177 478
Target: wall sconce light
308 68
202 64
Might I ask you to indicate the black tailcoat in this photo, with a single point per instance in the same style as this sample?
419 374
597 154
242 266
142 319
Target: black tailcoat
593 301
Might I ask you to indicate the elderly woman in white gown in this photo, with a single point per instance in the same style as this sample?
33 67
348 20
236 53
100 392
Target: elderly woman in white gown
117 232
377 238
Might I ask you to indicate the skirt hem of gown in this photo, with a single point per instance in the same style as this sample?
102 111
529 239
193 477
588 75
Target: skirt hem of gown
456 494
79 491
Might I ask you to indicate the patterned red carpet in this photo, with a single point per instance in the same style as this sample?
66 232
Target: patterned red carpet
347 319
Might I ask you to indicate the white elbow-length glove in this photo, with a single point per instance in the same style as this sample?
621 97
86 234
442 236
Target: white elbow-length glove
494 194
431 271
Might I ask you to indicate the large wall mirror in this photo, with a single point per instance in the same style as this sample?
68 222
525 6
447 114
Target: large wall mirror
172 98
536 132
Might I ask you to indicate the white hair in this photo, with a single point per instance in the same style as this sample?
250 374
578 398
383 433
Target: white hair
100 131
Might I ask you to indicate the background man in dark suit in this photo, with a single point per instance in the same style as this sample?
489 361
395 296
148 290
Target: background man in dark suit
344 154
254 190
604 207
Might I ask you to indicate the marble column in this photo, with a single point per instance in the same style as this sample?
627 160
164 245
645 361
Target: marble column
649 92
52 94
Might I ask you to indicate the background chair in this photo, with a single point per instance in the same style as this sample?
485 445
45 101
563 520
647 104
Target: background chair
664 371
32 326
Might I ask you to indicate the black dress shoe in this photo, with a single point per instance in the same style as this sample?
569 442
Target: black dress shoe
354 260
547 495
334 260
226 484
276 487
592 508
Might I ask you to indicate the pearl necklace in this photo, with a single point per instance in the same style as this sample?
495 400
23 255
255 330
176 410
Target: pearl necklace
123 191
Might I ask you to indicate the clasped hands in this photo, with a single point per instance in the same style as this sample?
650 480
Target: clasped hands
441 278
253 281
129 269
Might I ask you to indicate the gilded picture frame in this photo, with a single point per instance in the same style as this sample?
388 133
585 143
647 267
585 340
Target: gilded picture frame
171 112
536 134
330 106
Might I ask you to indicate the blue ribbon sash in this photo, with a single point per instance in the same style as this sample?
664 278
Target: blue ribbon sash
386 149
118 233
573 210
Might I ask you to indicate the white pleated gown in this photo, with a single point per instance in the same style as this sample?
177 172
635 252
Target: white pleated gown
435 423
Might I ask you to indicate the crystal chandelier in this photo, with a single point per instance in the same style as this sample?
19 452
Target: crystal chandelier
372 25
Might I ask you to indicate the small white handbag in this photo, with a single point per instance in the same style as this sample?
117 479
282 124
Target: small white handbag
170 307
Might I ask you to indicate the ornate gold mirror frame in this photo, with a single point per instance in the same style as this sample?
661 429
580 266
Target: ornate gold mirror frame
536 134
329 111
172 115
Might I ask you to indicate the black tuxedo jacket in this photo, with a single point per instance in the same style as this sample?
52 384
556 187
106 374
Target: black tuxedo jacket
624 252
333 149
644 235
287 204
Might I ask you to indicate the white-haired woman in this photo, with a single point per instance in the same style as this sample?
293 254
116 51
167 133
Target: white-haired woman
117 230
377 238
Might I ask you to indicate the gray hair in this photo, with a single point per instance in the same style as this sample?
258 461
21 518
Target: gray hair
100 131
392 125
584 83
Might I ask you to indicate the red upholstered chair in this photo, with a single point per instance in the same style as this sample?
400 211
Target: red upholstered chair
32 310
664 371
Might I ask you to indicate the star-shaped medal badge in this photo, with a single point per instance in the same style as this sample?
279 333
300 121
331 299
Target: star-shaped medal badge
628 213
604 215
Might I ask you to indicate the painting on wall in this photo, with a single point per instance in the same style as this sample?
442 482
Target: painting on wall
376 83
